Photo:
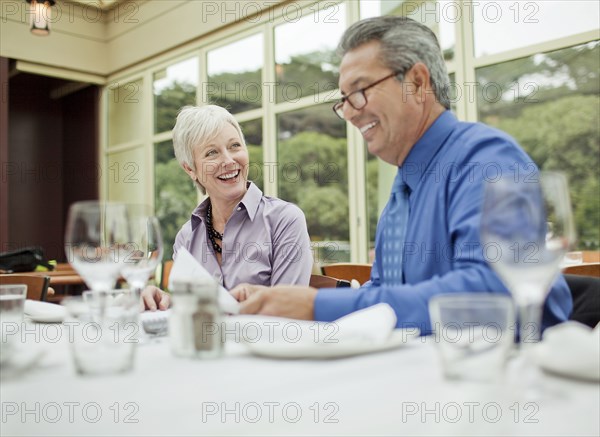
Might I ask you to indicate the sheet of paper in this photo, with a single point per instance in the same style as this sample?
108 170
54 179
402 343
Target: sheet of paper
187 268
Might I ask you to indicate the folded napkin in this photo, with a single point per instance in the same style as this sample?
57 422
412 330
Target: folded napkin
372 325
44 312
571 349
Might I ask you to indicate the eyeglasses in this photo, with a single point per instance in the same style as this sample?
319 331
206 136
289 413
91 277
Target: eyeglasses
357 99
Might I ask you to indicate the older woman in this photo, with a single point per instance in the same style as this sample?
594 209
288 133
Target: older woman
237 234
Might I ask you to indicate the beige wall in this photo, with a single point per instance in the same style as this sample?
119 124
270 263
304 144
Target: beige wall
86 39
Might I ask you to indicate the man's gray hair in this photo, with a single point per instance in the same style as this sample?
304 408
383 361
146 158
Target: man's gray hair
404 42
199 125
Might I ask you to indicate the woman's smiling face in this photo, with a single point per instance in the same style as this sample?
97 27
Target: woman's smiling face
222 165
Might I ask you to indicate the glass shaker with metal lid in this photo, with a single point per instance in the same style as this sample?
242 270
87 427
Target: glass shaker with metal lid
195 321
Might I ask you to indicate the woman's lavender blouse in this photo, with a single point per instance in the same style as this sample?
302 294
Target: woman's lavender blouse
265 242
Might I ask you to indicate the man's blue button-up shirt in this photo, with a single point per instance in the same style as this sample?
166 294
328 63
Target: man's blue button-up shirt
445 172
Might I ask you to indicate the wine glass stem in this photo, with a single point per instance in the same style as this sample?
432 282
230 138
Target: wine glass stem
530 322
530 318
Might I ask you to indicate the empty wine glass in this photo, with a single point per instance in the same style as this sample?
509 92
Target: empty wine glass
527 228
144 249
96 237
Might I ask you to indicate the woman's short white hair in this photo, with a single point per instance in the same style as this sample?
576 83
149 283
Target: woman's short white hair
196 126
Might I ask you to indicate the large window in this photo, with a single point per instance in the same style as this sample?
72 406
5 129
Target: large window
529 68
235 75
550 103
313 173
174 87
174 194
522 23
305 58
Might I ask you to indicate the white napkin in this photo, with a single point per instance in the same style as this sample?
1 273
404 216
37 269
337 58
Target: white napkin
372 325
365 331
187 268
44 312
571 349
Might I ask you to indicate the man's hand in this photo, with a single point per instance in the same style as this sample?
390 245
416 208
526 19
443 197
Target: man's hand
154 298
243 291
290 301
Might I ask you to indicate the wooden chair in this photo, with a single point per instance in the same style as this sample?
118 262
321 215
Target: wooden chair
37 286
589 269
348 271
320 281
165 273
63 267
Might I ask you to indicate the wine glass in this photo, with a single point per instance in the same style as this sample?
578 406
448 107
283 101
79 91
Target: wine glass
144 250
96 236
527 228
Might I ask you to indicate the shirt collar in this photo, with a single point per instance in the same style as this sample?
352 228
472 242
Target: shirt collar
421 155
250 202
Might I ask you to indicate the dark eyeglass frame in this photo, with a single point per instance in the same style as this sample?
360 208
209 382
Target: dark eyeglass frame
338 107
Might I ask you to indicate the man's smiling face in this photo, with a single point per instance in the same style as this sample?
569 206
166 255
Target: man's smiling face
389 122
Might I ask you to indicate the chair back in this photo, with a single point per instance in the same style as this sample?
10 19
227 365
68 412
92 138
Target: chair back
591 256
586 299
165 273
587 269
37 286
348 271
320 281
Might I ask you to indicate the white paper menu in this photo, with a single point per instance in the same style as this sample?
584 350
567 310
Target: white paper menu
187 268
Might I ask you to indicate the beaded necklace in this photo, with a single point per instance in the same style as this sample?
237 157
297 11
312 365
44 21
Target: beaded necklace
212 234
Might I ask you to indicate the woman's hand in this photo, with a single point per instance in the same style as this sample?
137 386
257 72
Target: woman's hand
154 298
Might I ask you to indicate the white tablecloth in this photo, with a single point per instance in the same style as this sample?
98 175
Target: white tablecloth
398 392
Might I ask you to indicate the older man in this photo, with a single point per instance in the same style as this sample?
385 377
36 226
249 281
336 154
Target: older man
394 85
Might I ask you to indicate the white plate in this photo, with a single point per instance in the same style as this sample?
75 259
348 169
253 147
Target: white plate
281 349
44 312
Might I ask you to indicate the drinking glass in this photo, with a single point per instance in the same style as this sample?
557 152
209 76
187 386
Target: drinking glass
103 327
12 302
527 228
144 250
96 241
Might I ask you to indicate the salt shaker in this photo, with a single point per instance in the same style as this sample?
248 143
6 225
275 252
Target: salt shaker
195 322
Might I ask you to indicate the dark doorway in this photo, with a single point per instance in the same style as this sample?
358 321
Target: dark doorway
49 157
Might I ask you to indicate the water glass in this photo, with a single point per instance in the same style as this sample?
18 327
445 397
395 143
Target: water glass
474 333
12 302
103 331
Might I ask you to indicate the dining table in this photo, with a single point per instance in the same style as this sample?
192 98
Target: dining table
398 391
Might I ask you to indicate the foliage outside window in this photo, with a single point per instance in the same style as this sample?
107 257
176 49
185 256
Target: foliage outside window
235 75
550 103
174 87
313 173
252 131
308 66
175 194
